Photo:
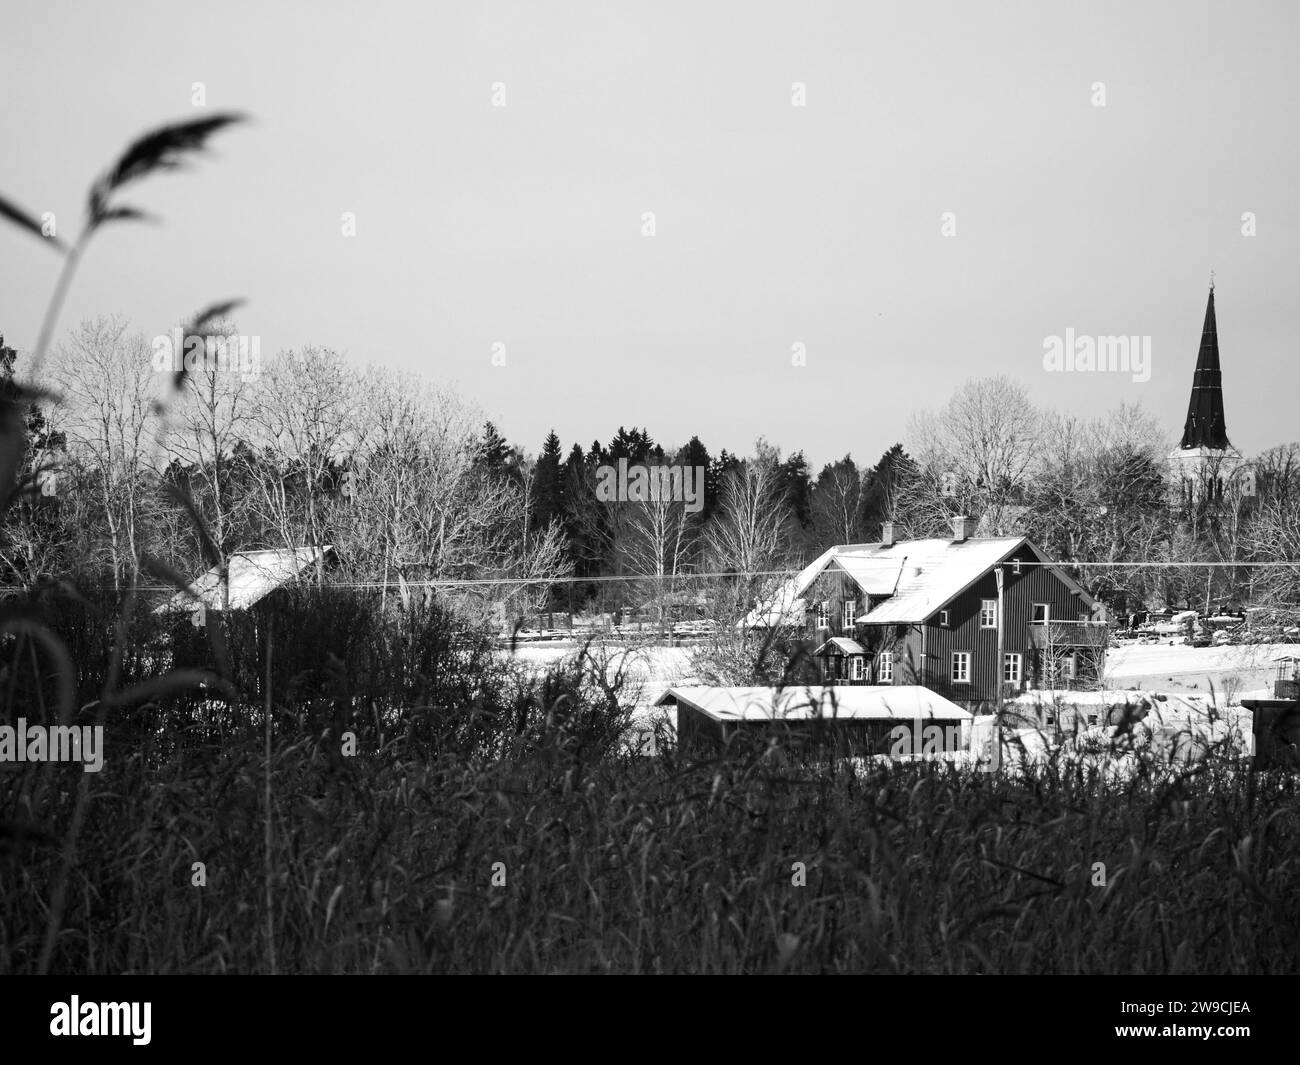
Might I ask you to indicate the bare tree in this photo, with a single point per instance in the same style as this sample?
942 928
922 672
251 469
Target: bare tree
310 430
206 437
108 387
660 535
977 454
745 534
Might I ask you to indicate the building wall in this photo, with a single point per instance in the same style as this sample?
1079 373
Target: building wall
699 736
1034 584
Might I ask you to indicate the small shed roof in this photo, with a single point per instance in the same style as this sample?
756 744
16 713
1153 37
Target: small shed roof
843 645
253 576
857 702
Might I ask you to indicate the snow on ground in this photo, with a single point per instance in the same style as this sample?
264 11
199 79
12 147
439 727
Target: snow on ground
1197 717
648 672
1248 668
1184 675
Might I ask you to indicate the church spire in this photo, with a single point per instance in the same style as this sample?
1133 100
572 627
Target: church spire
1205 423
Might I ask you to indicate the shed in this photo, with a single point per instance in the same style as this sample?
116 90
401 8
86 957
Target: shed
253 575
852 720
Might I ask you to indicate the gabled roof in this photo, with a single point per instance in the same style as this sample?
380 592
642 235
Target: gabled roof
841 644
936 571
864 702
253 575
918 576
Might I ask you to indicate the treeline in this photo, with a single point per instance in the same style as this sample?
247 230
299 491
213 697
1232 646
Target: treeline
409 483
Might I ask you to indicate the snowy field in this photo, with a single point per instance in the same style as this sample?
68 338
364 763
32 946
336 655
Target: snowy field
1240 671
1195 679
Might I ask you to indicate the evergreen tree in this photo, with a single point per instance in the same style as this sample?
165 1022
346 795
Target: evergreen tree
633 444
548 483
494 453
880 488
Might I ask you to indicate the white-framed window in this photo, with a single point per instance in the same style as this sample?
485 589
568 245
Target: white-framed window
943 617
961 667
1015 566
1067 667
885 667
1011 667
857 668
849 612
988 613
1041 614
824 615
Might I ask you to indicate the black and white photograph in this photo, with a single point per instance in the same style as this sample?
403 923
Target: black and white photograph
649 488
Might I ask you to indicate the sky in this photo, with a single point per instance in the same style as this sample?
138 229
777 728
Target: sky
908 194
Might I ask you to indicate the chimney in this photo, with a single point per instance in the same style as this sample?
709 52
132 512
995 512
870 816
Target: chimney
960 528
887 534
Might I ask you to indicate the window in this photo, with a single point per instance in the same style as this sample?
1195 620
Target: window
1041 615
943 617
1011 668
1067 667
988 613
846 619
1015 566
961 667
885 670
824 615
857 668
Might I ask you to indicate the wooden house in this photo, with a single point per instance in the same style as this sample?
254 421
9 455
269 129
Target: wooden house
958 615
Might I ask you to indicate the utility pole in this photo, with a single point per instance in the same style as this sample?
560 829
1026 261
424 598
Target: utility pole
999 671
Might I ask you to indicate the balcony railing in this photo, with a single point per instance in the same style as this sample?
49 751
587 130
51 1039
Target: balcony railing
1062 634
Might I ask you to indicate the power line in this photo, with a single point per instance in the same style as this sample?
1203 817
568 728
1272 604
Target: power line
485 582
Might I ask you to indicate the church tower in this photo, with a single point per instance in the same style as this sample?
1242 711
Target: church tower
1204 464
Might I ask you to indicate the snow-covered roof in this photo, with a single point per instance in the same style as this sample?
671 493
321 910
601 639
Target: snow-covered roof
843 644
253 575
856 702
918 576
936 571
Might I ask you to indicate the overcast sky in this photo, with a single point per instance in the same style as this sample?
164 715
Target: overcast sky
775 225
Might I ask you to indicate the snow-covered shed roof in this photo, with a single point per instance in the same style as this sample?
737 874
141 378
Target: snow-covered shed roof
842 644
857 702
253 576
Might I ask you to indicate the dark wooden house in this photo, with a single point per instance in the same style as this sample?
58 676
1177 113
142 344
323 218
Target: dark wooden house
932 612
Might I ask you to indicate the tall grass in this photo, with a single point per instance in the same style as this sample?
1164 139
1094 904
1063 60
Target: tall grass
491 822
614 863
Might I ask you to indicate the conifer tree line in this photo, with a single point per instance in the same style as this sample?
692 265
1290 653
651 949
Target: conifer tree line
408 482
